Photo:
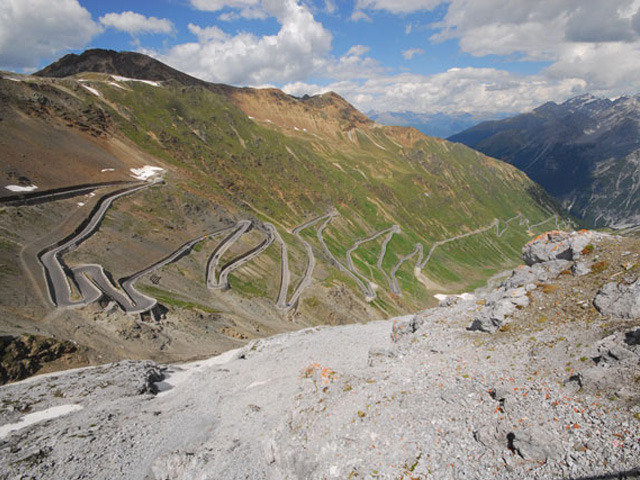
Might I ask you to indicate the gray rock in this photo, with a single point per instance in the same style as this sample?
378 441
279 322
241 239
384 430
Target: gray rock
557 245
619 300
501 304
448 301
579 269
491 318
520 277
536 445
547 247
611 351
403 326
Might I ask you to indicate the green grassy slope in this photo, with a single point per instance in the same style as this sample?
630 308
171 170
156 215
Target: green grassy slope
224 165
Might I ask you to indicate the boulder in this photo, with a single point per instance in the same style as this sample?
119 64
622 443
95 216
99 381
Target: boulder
501 304
620 300
579 269
610 350
557 245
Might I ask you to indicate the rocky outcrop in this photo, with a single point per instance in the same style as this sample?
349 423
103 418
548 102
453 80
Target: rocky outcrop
557 245
546 257
499 307
24 355
620 299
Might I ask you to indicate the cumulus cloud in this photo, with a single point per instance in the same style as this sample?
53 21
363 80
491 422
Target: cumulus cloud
135 23
32 30
458 90
586 39
300 48
412 52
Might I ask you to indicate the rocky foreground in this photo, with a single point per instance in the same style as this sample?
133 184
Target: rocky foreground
537 378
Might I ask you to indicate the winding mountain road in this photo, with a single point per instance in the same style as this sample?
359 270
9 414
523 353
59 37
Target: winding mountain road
395 288
61 280
241 228
369 293
237 262
311 259
82 285
395 229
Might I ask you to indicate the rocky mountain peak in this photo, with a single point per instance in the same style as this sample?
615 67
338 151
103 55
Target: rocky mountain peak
126 64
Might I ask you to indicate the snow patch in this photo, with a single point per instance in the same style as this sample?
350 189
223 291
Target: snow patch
118 78
81 204
146 172
117 85
13 79
107 170
18 188
92 90
30 419
462 296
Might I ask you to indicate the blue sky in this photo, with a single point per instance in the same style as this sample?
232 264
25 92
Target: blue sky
482 57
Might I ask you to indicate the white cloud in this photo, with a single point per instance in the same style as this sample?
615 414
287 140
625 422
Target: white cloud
590 45
588 39
216 5
299 49
458 90
353 64
394 6
32 30
251 9
330 6
135 23
412 52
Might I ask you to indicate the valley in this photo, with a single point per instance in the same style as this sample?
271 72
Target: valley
274 213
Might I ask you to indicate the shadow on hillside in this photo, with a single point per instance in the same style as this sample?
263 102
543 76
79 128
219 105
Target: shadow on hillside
628 475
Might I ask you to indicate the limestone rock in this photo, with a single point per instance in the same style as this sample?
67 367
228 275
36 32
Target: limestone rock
619 300
557 245
403 326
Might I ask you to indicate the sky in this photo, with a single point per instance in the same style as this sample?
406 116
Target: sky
482 57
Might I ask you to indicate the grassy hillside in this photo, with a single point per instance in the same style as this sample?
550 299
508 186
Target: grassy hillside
234 154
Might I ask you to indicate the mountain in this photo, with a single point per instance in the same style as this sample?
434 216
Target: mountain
147 214
440 124
585 152
126 64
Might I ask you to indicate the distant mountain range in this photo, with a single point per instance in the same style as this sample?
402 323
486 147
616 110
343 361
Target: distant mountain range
439 124
585 152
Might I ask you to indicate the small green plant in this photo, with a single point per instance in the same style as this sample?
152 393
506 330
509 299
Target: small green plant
588 249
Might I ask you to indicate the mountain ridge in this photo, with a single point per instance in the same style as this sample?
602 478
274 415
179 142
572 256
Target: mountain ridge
585 152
